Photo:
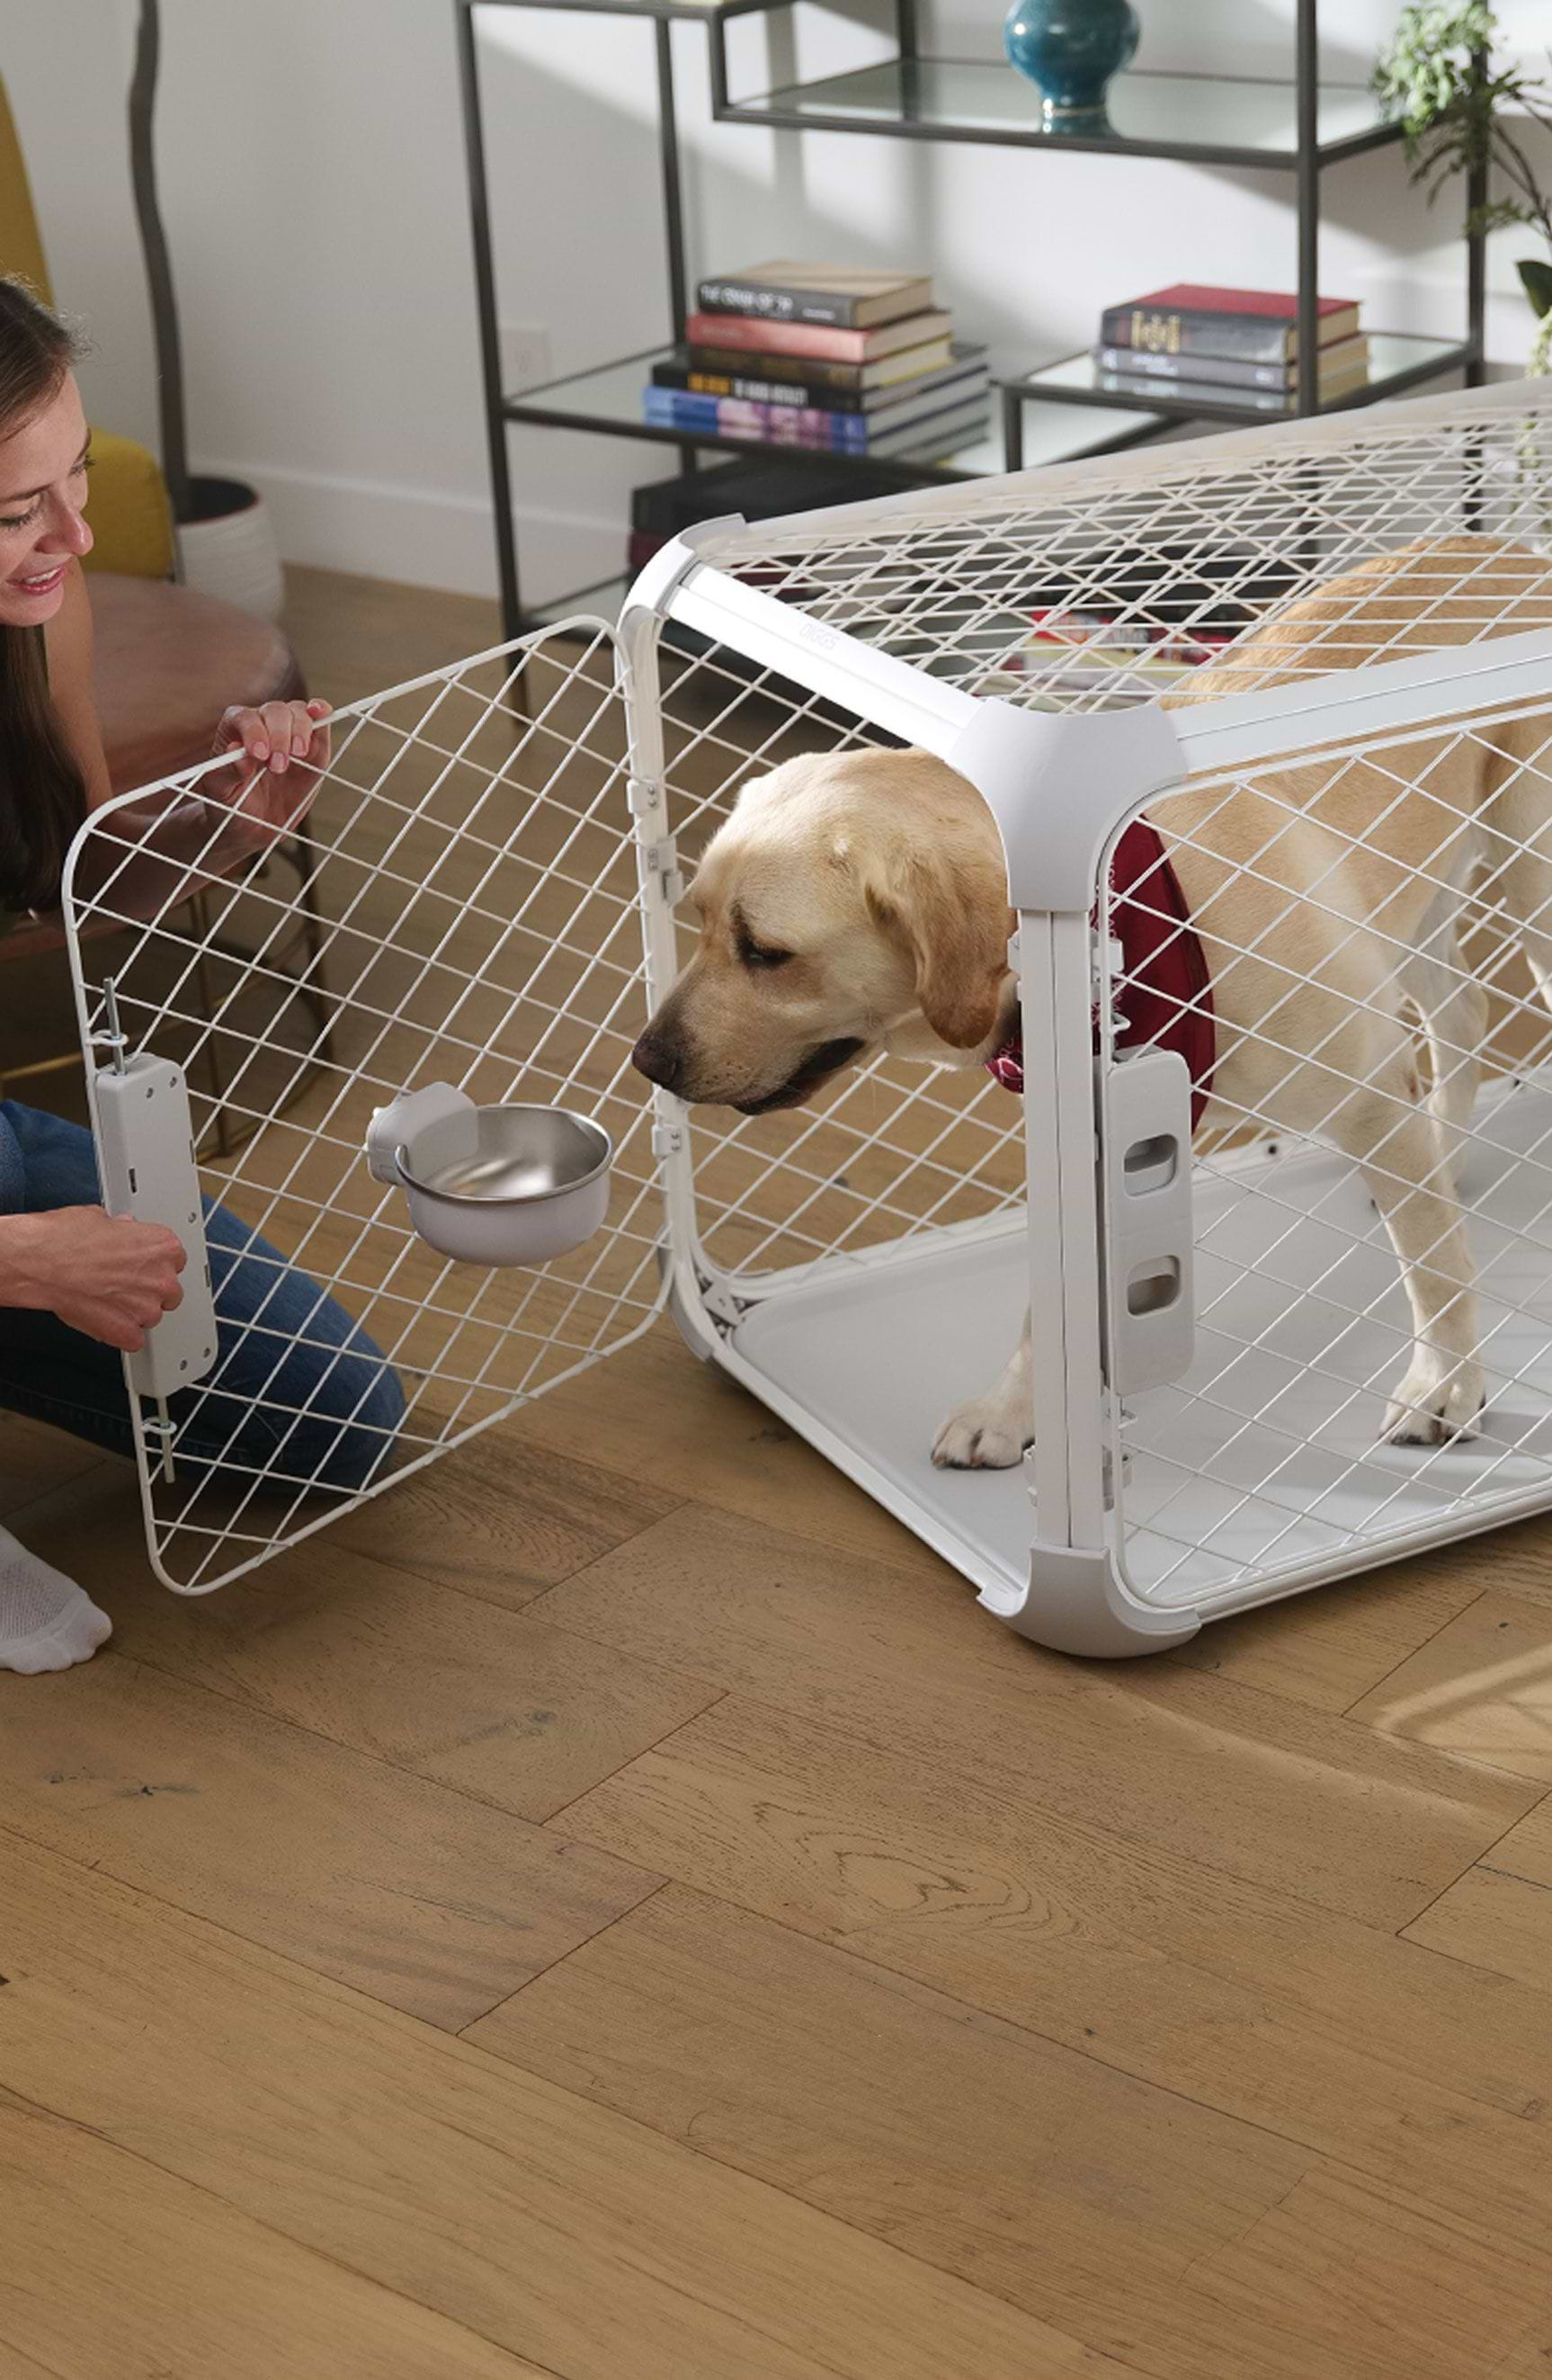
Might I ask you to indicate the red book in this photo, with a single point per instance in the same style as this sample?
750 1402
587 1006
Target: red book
751 335
1251 325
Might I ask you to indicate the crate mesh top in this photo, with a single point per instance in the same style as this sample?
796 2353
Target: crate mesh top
1103 582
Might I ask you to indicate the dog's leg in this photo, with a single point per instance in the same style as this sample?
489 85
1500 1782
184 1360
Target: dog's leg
1523 879
1453 1007
1406 1162
990 1432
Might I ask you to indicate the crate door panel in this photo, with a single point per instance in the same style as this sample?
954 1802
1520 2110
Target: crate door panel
461 905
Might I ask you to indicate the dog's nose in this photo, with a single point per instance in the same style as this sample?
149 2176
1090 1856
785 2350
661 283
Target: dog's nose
661 1058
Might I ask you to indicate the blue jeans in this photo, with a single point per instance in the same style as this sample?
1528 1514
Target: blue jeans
298 1390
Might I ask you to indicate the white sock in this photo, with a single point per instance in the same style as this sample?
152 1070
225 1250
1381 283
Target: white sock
46 1620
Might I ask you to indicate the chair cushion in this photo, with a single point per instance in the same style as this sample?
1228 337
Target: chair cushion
168 662
131 519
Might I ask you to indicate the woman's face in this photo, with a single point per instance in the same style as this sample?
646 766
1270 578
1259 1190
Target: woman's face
43 499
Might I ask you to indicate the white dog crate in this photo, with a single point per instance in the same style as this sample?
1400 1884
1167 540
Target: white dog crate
1258 1361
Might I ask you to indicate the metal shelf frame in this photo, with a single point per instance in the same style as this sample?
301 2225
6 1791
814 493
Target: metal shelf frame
1463 356
550 405
781 110
663 14
1307 159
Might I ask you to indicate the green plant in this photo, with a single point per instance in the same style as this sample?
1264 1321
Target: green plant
1439 78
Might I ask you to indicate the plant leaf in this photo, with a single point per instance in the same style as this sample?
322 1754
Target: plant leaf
1537 278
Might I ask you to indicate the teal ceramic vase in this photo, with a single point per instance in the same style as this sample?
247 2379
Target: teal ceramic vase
1070 49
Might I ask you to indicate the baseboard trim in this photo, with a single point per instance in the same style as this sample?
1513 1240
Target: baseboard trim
424 537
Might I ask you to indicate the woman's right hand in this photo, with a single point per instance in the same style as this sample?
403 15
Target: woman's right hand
149 855
103 1274
266 802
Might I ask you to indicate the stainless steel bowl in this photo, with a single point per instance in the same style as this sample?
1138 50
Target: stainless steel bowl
535 1185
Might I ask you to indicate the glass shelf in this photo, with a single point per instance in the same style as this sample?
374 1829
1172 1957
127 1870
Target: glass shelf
1207 119
706 11
608 400
1397 361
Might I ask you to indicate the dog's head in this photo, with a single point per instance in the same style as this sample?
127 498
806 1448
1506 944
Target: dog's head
852 903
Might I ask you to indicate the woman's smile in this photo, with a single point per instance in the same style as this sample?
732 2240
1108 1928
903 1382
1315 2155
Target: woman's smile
38 585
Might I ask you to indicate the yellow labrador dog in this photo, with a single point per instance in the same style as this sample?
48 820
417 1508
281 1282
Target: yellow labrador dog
858 902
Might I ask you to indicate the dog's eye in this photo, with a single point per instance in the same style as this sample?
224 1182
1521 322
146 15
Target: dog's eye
760 954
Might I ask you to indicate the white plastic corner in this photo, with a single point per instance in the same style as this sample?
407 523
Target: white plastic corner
1059 784
1078 1603
653 587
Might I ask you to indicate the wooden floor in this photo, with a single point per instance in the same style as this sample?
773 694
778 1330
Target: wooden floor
617 1909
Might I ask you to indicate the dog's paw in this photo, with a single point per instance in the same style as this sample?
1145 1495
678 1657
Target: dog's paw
987 1434
1436 1402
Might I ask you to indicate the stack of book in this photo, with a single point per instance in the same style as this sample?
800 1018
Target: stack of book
821 357
1226 347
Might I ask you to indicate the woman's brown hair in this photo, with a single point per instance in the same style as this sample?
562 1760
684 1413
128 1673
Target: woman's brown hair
42 793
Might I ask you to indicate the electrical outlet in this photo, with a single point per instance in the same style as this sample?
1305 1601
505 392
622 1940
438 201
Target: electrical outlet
524 355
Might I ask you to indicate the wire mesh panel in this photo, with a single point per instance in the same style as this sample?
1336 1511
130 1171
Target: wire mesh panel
1116 588
885 1158
1104 583
1088 589
1373 1197
470 914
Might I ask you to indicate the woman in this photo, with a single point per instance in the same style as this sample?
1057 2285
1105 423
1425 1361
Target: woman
77 1285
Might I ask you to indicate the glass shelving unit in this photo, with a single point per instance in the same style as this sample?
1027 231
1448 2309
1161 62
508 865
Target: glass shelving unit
1299 127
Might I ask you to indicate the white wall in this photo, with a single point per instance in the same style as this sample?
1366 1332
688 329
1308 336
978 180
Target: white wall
66 69
312 183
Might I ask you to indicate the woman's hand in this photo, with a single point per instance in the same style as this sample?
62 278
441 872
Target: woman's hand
106 1275
279 754
153 854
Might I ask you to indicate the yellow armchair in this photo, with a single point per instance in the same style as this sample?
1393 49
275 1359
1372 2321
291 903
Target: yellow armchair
131 518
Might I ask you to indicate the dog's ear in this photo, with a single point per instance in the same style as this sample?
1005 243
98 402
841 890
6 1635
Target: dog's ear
953 914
